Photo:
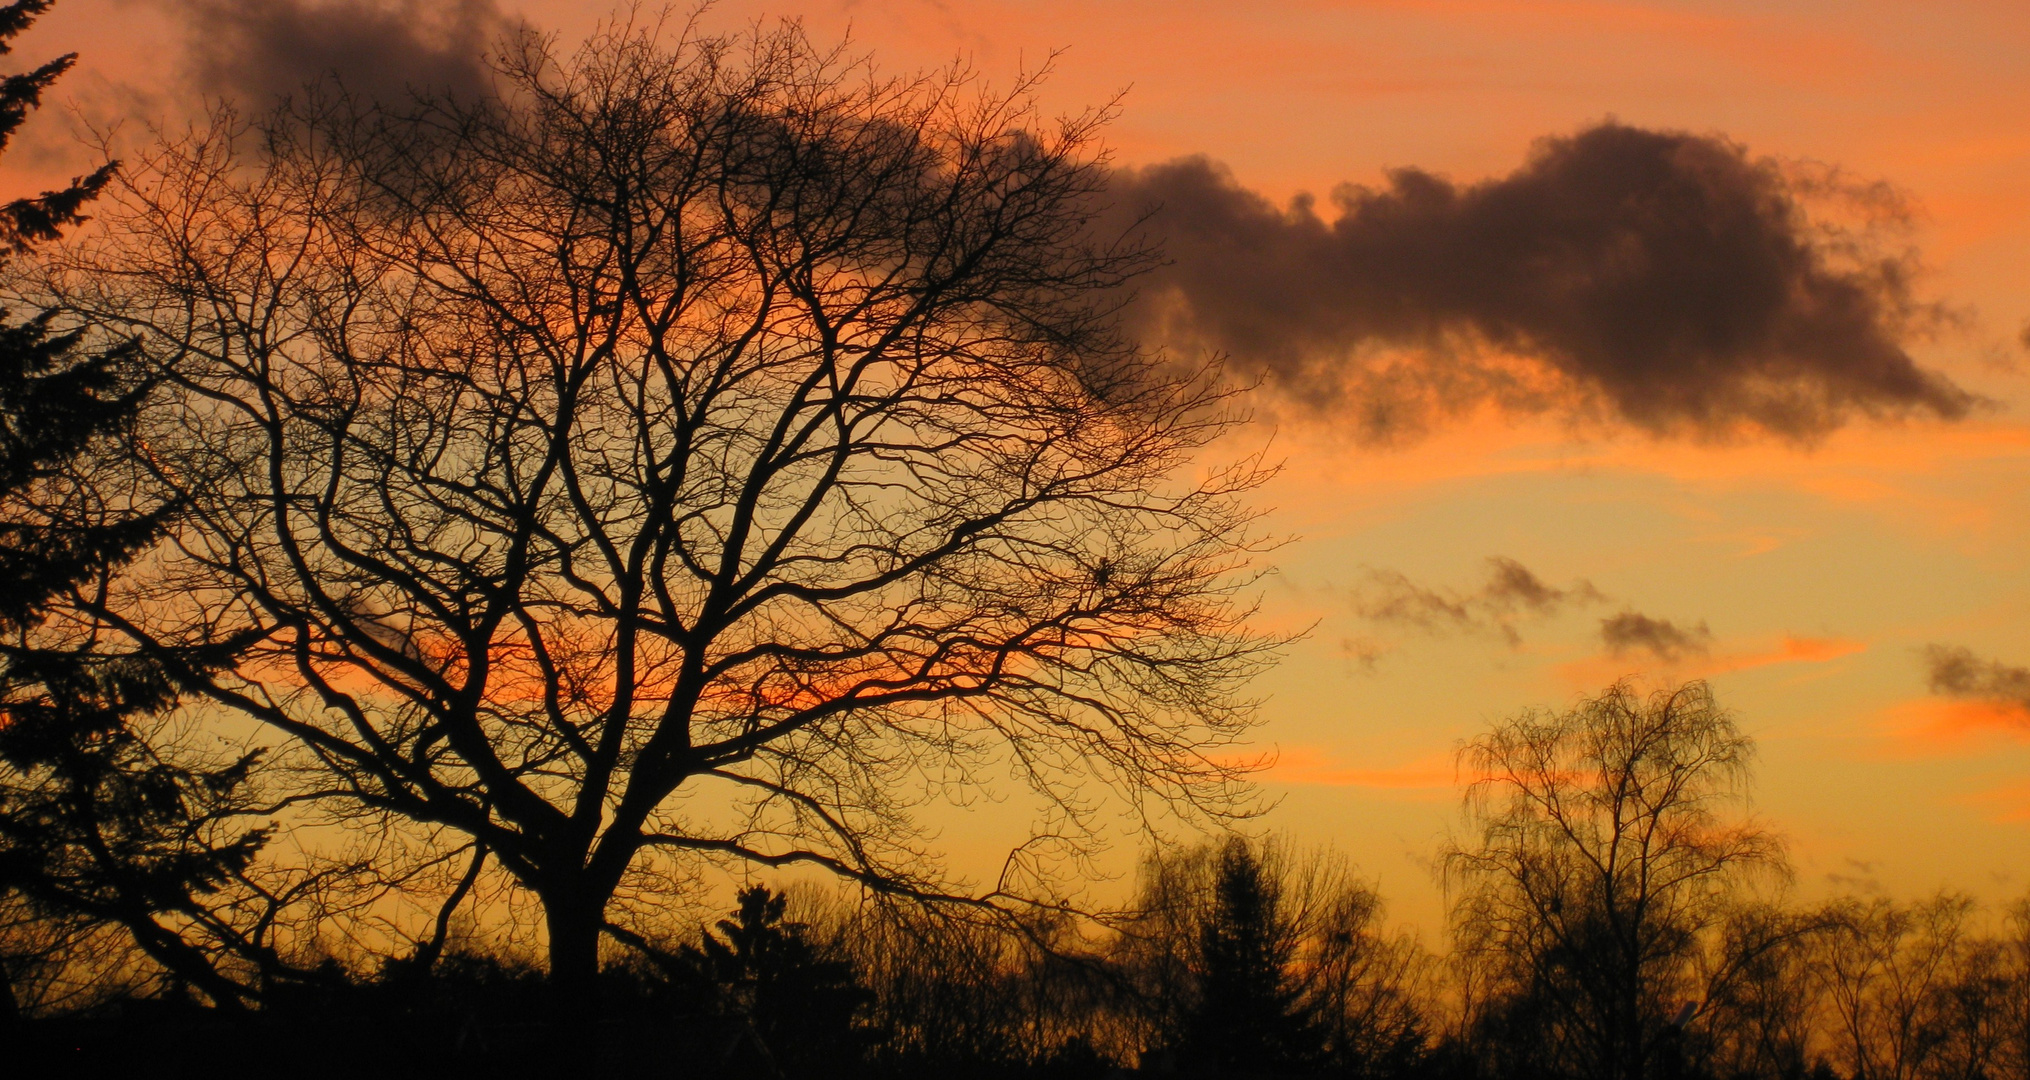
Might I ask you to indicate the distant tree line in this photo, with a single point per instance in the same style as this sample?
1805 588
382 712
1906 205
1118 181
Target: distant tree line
1616 915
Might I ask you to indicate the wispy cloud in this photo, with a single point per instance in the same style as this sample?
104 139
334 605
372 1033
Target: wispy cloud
1790 649
1511 593
1632 631
1958 672
1930 727
1311 766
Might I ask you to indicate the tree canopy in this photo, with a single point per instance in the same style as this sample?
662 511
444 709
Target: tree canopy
696 449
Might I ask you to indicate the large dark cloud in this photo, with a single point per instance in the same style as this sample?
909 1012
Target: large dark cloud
1956 671
256 50
1631 631
1664 279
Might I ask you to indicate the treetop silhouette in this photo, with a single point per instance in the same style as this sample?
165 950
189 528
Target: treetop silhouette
703 449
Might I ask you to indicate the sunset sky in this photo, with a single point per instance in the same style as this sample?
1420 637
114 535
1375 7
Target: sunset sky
1805 572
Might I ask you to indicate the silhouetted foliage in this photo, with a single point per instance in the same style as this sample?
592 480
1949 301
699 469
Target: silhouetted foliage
1249 1016
1605 927
95 824
25 222
1838 992
56 406
786 1006
57 401
691 420
97 828
1249 960
957 992
1609 851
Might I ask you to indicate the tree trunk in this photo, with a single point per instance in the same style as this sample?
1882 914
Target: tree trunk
573 917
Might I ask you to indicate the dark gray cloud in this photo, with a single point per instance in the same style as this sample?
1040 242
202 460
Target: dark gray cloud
1664 279
254 51
1631 631
1512 592
1956 671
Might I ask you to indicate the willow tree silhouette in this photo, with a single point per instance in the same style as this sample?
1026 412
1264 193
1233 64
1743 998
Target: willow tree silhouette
1612 848
681 453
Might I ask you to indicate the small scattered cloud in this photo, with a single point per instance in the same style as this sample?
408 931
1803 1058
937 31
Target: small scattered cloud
1511 593
1958 672
1857 876
1632 631
1365 652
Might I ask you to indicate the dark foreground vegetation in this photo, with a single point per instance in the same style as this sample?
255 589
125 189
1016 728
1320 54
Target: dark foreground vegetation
438 535
1615 917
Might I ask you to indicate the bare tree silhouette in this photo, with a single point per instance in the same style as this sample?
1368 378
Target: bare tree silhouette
1760 1018
1608 846
705 450
1913 991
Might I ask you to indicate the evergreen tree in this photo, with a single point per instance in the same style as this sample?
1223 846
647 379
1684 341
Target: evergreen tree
27 221
95 824
54 403
793 1005
1249 1017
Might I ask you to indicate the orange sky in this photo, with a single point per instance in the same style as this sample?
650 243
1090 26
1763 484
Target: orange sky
1820 572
